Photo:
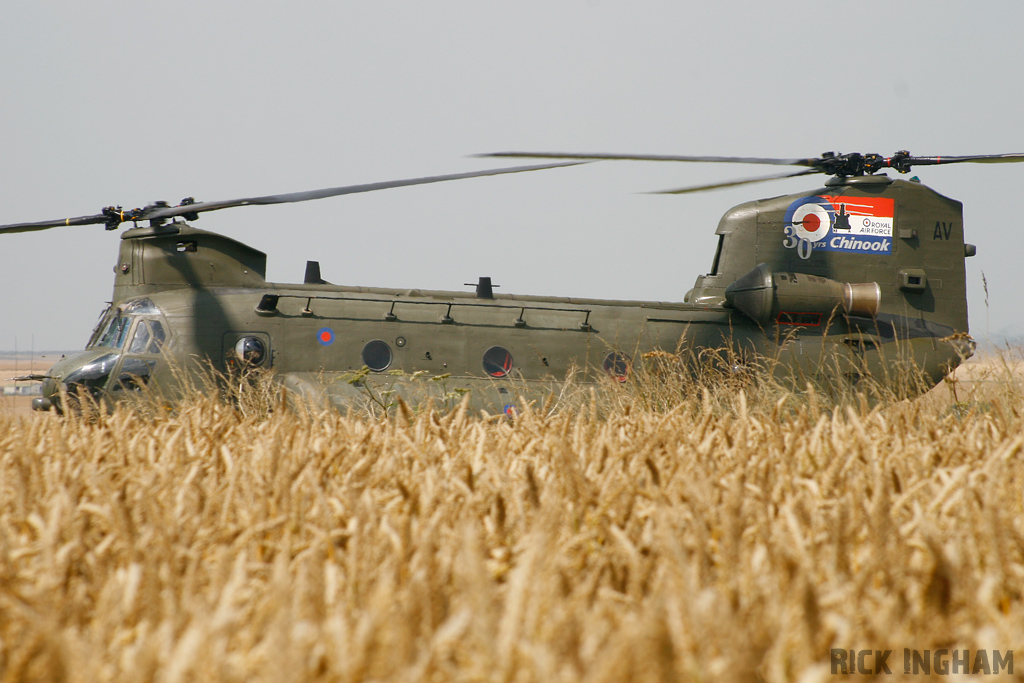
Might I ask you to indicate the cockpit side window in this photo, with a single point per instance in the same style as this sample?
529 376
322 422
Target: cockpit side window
140 341
156 344
148 338
135 373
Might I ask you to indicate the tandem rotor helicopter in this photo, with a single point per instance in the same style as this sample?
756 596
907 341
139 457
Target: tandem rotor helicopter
863 270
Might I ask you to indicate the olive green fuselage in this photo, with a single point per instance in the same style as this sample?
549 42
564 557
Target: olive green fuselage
772 292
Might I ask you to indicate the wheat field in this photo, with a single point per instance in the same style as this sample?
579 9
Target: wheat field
738 535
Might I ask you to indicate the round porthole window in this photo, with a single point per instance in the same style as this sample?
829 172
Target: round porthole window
618 365
377 355
497 361
251 351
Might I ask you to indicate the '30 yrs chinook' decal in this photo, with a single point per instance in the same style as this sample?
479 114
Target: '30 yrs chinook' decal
855 225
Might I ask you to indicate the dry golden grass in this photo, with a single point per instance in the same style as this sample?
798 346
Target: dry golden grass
735 537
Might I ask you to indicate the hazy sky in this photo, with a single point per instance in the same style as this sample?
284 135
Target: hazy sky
117 102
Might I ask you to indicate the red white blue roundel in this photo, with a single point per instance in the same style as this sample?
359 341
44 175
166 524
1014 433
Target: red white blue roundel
811 218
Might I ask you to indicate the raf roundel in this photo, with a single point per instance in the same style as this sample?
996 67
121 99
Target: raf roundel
811 219
325 336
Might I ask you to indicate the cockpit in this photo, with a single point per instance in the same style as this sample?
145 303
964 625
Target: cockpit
126 345
115 324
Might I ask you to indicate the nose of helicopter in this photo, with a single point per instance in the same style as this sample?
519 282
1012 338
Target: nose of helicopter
87 369
50 397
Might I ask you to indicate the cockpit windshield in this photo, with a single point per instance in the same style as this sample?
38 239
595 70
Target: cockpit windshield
114 335
101 324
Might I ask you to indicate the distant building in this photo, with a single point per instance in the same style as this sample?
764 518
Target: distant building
24 390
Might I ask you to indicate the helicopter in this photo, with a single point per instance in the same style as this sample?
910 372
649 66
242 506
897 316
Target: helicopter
834 283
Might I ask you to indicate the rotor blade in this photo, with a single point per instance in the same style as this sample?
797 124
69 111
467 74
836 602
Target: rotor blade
45 225
114 215
977 159
734 183
166 212
654 157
